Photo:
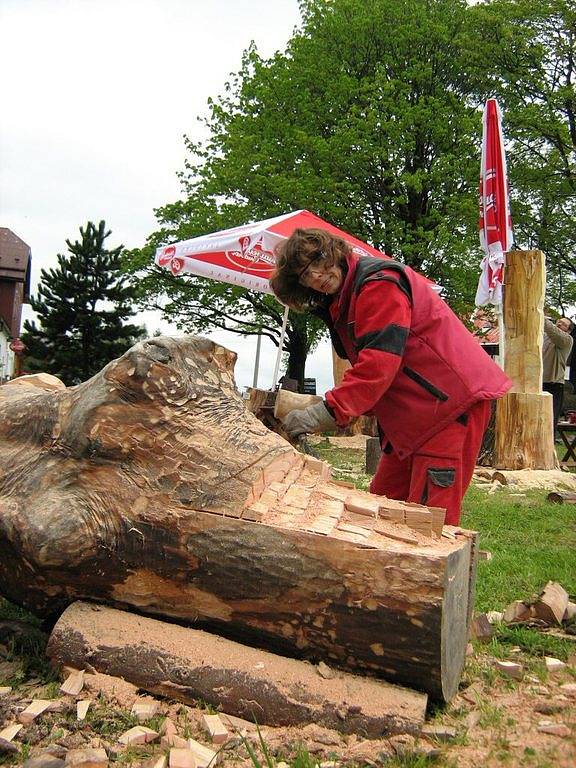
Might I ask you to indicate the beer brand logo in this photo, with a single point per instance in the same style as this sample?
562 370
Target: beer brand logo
168 259
251 257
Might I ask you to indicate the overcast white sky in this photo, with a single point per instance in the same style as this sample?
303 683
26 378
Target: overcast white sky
96 97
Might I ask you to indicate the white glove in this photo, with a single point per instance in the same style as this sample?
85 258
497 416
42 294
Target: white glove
314 418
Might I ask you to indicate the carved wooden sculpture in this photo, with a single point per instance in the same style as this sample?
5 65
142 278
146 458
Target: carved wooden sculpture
151 486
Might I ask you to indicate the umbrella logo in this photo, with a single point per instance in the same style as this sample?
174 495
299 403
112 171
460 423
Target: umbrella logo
253 258
168 259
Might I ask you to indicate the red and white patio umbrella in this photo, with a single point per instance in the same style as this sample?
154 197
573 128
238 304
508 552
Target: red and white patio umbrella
495 222
244 255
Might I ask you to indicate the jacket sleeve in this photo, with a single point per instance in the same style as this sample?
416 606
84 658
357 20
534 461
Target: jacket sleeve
381 326
559 338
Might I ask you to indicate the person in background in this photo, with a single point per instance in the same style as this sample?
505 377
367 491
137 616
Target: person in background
415 366
555 351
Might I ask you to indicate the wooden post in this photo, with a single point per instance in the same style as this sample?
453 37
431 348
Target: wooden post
524 435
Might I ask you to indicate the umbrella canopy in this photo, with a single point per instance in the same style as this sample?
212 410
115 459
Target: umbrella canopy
245 255
495 222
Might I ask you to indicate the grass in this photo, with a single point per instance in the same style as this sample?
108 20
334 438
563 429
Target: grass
532 541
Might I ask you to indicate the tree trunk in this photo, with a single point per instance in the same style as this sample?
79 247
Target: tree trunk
152 486
188 664
524 421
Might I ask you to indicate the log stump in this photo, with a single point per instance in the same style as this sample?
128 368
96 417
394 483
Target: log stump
151 486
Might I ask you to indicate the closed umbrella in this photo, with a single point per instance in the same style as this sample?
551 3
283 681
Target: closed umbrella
495 222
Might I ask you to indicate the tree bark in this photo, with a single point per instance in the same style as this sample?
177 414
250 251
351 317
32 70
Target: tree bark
188 664
152 486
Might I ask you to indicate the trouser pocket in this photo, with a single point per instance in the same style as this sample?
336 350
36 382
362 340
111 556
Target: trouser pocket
437 482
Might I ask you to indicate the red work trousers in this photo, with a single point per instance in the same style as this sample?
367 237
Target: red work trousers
440 471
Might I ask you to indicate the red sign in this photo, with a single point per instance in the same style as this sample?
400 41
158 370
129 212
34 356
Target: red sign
16 345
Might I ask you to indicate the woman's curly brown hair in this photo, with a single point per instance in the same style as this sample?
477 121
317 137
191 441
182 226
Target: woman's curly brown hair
294 254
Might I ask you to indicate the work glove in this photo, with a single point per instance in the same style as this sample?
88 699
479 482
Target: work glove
314 418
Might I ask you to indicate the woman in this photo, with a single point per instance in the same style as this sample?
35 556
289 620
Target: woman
415 367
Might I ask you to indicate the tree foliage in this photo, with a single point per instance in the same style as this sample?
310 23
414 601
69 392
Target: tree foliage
82 307
526 50
365 120
371 118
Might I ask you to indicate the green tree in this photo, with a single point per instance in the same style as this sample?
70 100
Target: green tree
368 120
525 51
82 307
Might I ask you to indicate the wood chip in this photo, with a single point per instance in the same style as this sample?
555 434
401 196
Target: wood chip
82 708
216 729
203 755
145 708
553 665
138 735
181 758
35 709
552 603
510 669
11 731
73 683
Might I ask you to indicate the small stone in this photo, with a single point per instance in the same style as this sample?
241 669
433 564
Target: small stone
325 671
7 747
569 689
555 729
473 718
56 750
549 708
444 733
469 649
44 761
5 690
402 743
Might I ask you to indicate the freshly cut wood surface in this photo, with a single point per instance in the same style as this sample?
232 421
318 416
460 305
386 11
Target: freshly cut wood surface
152 486
189 664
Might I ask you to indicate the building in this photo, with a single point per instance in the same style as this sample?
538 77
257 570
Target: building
15 262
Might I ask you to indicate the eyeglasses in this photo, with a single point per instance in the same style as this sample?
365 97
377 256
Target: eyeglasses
308 273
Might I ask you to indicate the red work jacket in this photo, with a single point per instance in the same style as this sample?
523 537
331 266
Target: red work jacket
414 364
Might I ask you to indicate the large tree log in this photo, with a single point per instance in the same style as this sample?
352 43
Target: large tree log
524 419
152 486
188 664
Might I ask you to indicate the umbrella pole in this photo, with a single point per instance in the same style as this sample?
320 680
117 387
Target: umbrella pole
280 346
257 361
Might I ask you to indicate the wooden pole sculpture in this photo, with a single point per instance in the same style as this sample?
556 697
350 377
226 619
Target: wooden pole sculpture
151 486
524 434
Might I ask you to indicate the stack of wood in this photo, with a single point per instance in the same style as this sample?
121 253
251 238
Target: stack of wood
152 487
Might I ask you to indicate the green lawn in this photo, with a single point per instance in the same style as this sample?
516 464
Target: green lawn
531 540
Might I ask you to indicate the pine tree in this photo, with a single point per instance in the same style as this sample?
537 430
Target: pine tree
82 307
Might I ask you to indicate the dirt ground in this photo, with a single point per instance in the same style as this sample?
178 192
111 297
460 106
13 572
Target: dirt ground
493 721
